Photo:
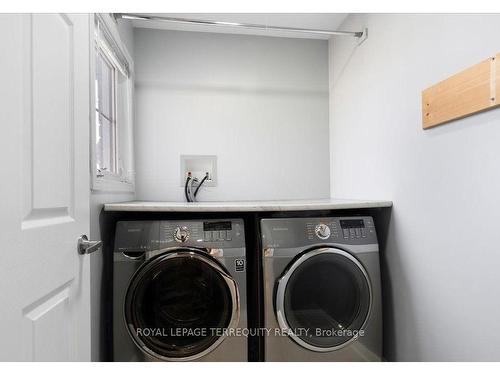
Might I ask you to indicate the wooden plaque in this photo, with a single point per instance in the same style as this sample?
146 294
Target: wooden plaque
473 90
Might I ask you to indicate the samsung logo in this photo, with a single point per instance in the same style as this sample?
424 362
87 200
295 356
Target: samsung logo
280 229
134 230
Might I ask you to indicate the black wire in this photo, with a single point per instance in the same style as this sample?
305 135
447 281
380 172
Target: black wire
186 189
201 183
190 189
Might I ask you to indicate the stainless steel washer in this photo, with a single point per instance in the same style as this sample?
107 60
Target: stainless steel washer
322 293
179 291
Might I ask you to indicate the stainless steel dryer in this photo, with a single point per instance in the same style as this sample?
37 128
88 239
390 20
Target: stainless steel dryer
179 291
322 294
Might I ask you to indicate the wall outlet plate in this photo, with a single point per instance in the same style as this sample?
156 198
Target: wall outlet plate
199 166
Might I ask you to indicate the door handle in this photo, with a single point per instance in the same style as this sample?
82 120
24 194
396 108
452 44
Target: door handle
85 246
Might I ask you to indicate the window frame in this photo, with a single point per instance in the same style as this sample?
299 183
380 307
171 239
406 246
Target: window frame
113 172
107 181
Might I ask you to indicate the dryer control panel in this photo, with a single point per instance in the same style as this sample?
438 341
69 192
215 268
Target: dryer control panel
295 232
346 228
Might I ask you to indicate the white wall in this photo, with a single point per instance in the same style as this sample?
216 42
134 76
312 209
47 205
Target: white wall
259 103
443 253
97 200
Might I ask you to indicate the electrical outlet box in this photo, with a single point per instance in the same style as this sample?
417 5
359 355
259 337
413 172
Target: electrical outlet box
199 166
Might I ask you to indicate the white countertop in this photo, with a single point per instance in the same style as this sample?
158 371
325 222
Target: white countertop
245 206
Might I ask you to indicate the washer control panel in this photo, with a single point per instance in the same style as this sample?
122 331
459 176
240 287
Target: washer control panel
322 231
139 236
218 231
181 234
136 236
356 228
206 233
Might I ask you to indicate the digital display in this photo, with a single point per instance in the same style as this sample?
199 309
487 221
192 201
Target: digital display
353 223
217 225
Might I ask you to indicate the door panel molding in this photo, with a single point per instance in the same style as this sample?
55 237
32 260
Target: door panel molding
49 126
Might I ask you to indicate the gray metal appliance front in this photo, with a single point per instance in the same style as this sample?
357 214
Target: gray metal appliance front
282 288
286 241
138 243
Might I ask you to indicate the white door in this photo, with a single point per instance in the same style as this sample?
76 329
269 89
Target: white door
44 192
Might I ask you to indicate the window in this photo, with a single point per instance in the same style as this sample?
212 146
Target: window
105 105
112 131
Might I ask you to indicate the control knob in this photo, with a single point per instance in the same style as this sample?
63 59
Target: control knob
322 231
181 234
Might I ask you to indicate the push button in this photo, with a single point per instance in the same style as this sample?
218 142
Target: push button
215 236
222 235
208 236
345 232
228 235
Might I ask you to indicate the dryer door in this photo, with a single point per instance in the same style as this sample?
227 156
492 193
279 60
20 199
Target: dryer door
179 303
323 299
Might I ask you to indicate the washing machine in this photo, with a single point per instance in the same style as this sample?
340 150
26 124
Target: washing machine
322 293
179 291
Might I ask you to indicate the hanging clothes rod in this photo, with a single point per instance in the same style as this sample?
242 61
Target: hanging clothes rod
131 16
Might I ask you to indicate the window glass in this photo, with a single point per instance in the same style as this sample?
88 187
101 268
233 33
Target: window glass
105 116
105 79
104 151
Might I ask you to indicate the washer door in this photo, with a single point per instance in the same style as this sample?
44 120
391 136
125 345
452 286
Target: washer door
323 299
178 303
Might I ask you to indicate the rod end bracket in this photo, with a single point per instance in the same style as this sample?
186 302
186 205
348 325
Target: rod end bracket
363 35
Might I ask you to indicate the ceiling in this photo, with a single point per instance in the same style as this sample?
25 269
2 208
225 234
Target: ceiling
324 21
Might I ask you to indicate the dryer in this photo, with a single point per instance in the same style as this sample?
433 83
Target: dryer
179 291
322 289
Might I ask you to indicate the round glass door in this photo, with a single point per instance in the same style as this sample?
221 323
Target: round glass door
178 304
323 299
